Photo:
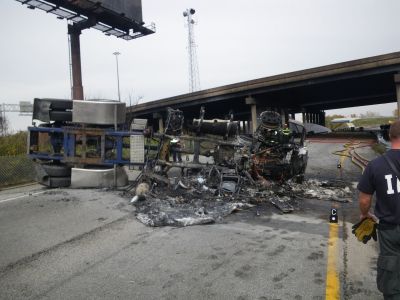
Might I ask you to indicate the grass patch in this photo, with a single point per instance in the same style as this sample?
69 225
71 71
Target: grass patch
13 144
379 148
373 122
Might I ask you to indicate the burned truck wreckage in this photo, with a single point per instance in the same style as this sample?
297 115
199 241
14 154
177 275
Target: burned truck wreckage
275 151
205 170
191 172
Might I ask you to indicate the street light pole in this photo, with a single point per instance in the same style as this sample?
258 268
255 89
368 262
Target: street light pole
116 59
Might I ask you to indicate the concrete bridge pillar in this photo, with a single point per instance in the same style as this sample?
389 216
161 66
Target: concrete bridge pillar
158 116
316 117
285 116
322 118
253 110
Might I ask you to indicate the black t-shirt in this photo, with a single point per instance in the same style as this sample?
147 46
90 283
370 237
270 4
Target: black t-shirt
378 177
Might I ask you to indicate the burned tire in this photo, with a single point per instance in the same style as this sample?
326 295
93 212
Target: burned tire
61 104
54 170
56 182
63 116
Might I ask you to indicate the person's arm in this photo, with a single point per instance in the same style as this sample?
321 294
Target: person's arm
365 202
366 186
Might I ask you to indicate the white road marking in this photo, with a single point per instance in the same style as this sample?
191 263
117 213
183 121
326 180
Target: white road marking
22 196
297 218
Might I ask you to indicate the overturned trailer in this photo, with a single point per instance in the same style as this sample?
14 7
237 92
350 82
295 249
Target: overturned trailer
87 135
82 139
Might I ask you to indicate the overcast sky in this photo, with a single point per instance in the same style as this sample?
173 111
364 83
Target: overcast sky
237 41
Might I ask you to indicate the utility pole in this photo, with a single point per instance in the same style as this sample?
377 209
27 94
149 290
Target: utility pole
74 31
116 60
194 77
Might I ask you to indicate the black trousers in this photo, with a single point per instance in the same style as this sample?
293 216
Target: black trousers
388 278
176 154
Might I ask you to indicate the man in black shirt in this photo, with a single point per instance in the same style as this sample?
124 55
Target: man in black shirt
381 179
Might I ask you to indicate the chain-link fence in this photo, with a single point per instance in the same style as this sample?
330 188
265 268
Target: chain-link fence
15 166
16 170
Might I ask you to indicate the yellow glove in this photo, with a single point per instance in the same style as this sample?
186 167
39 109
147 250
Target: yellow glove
365 229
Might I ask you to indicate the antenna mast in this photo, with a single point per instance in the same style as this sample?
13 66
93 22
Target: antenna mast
194 77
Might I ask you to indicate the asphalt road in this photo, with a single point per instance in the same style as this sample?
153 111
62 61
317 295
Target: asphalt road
87 244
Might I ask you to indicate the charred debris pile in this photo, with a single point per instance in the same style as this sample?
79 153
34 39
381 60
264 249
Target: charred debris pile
237 171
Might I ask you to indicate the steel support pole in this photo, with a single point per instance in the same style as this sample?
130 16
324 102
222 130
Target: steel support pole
119 91
75 46
116 60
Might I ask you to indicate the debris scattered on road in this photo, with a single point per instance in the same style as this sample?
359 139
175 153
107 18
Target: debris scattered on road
140 193
170 212
204 199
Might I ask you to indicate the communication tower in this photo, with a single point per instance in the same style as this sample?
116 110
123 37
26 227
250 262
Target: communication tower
194 77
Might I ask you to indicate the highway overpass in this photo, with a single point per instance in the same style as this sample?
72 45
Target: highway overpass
372 80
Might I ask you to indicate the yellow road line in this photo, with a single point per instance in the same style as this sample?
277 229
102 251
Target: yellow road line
332 291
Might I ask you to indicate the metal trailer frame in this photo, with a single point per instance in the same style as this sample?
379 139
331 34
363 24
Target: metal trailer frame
69 145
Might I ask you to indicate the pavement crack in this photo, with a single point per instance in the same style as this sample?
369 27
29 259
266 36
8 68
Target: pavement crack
35 256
